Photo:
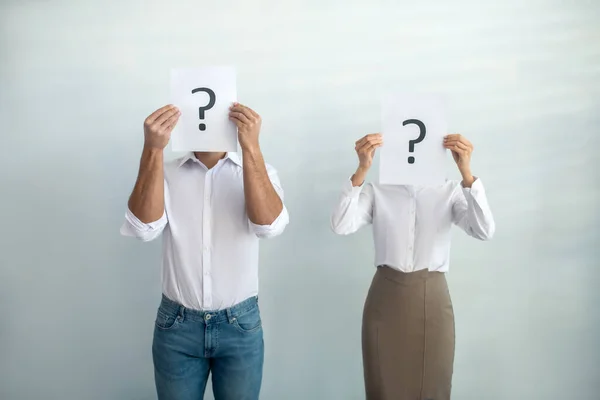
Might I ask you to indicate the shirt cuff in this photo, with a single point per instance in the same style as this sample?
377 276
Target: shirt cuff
350 190
275 228
475 190
135 225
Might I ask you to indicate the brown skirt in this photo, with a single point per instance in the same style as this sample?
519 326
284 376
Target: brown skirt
408 336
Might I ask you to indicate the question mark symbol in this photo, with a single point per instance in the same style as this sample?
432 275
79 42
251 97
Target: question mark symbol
411 143
211 102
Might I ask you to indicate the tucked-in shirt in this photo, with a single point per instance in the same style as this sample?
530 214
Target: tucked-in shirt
411 224
210 246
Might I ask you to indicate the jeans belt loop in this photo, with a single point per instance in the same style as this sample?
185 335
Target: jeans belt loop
230 317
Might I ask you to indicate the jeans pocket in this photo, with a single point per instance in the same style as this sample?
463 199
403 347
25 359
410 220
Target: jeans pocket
166 320
249 322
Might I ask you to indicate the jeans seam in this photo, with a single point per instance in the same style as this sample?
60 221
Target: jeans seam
163 315
237 326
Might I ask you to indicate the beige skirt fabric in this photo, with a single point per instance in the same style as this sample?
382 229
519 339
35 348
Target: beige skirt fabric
408 336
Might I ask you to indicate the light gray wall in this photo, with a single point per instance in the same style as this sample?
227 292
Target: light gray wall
77 78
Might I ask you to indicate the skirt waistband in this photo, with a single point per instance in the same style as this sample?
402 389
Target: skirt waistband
399 276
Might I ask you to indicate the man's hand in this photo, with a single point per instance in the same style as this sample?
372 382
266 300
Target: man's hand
147 201
461 152
159 125
365 149
248 123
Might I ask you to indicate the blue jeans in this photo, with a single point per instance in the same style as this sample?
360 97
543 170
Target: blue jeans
190 344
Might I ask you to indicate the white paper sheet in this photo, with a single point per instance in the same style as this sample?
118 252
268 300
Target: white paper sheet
404 119
204 124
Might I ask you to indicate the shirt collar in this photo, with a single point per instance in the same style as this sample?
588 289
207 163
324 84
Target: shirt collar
233 156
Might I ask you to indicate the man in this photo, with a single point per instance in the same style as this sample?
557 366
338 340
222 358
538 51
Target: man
211 208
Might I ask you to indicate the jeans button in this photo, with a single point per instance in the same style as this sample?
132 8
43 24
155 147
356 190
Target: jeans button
208 316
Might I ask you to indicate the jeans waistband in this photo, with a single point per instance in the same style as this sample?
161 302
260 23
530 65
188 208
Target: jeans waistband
209 317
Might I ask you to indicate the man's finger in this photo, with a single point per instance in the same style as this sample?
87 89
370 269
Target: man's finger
164 117
375 147
239 123
251 111
462 146
457 138
150 120
359 147
369 144
360 141
458 150
240 116
455 142
367 137
451 143
456 145
366 150
244 110
171 122
369 148
371 139
452 136
254 113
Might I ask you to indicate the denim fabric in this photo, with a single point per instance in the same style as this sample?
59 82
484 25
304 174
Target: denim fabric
190 344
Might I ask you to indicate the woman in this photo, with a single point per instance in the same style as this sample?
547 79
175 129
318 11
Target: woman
408 321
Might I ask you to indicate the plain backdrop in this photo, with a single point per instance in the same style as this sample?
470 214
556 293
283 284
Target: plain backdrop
77 79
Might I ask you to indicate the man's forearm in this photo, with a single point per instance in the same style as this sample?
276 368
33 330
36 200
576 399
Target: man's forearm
262 201
147 201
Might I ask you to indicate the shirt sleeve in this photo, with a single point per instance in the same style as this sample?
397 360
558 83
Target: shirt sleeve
354 209
471 212
278 226
146 232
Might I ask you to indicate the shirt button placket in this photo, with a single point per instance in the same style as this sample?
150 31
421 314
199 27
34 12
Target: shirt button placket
206 239
411 233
